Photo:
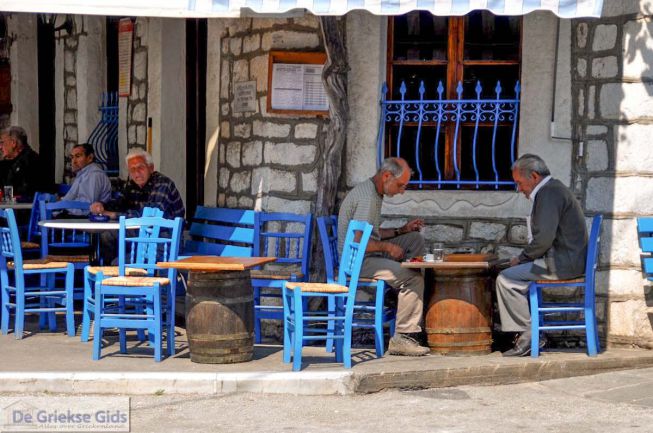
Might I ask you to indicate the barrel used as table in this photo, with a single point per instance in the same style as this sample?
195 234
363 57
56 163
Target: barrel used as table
220 317
459 314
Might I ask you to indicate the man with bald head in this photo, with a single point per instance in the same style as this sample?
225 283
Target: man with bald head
387 247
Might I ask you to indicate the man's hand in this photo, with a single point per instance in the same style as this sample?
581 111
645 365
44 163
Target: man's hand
97 208
514 261
412 226
394 251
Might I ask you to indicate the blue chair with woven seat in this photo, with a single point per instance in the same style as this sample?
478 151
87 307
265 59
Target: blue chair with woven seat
220 232
287 237
296 295
148 302
32 242
22 298
587 308
328 229
90 277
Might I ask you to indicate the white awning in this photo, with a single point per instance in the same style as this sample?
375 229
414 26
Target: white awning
236 8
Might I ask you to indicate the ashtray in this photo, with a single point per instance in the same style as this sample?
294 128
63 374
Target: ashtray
98 218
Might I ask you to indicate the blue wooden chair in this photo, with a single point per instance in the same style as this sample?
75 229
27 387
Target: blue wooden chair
32 242
90 277
540 310
297 294
20 298
221 232
148 302
287 237
328 229
645 235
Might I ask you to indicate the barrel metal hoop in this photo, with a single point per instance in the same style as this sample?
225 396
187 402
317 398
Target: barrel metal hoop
485 342
458 330
228 337
222 300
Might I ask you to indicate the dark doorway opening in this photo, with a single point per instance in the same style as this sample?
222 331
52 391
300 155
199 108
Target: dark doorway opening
112 53
46 98
196 46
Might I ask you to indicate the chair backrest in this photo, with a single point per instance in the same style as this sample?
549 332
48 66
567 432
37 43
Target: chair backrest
152 212
221 232
645 234
9 244
593 247
285 236
353 254
33 229
157 239
61 238
327 226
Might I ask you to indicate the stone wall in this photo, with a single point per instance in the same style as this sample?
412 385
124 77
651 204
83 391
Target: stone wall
137 100
70 127
265 160
611 73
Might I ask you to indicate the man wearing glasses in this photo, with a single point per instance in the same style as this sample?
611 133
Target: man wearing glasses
387 247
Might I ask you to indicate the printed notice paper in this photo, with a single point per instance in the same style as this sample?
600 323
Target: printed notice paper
298 87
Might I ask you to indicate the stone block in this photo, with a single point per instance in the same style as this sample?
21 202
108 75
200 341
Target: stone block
221 199
245 203
70 117
239 25
637 49
446 233
140 65
619 243
605 37
605 67
626 101
140 112
240 181
252 153
506 252
242 130
619 195
487 231
271 130
235 46
597 155
581 67
71 99
142 90
70 133
224 109
225 130
134 91
629 318
223 177
258 69
276 204
241 71
308 20
131 134
289 153
141 134
309 181
251 43
233 154
582 31
71 81
221 153
225 79
225 46
267 23
305 130
591 96
633 147
287 39
518 234
621 284
596 130
232 202
69 61
266 179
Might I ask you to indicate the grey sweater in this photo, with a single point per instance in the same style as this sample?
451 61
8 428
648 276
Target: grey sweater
559 232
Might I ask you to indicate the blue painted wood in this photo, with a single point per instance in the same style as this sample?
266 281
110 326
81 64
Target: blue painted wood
587 308
33 229
18 297
295 302
458 110
221 231
104 137
150 306
287 237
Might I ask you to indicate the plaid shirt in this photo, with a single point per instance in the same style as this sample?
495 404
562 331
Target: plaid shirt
159 192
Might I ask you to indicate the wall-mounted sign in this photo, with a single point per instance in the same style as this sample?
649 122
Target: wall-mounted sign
245 96
125 35
295 83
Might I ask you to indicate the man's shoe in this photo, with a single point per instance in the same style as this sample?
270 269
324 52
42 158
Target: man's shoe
522 345
405 345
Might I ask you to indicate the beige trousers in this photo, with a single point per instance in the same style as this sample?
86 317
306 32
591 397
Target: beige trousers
408 282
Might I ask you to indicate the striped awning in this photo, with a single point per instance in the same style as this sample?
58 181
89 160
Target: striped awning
236 8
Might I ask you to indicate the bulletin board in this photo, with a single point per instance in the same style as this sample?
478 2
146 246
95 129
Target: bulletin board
295 83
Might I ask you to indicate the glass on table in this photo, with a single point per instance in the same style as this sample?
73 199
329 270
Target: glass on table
8 192
437 251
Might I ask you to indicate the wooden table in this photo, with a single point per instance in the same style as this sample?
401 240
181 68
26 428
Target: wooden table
459 313
84 225
219 307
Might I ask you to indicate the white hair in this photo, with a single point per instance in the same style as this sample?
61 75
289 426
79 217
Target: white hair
137 152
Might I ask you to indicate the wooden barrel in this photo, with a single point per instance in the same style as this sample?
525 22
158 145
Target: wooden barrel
220 317
459 316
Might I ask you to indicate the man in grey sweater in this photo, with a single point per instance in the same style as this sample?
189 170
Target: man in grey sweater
556 249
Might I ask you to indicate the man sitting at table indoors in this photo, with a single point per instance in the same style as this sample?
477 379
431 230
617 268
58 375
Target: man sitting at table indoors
556 249
91 183
25 173
387 247
145 188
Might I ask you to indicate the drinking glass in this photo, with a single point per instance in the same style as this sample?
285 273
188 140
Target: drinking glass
438 252
9 193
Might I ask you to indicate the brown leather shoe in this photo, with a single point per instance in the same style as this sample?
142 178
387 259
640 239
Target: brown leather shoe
405 345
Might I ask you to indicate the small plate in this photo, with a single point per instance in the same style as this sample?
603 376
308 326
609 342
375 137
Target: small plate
98 218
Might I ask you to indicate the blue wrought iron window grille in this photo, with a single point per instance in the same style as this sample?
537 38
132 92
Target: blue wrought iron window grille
104 136
432 116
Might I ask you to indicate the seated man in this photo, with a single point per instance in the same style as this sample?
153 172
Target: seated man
25 173
145 188
387 247
91 184
556 249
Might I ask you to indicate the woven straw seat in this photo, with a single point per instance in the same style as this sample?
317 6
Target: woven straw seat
25 245
318 287
71 258
113 271
275 275
575 280
135 281
30 265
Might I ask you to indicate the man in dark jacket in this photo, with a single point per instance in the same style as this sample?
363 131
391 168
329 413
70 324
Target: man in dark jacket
25 173
557 246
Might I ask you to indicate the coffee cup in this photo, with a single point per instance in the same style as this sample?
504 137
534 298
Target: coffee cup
429 258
